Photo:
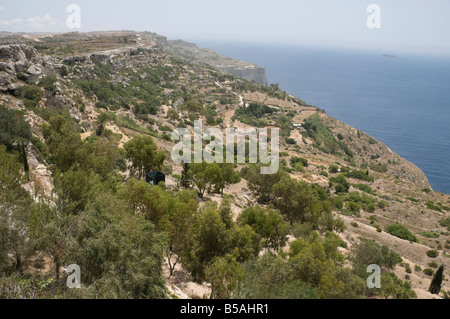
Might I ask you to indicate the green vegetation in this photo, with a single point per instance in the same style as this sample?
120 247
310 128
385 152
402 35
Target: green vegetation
324 138
253 114
143 154
428 271
365 188
364 176
123 232
268 224
429 234
432 253
30 95
445 223
378 167
432 206
402 232
14 130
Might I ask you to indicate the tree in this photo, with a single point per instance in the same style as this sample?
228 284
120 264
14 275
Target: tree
294 199
261 185
223 274
204 175
436 282
176 223
15 205
270 277
151 202
226 177
185 182
64 142
267 223
51 232
13 128
120 253
368 252
208 240
143 154
394 287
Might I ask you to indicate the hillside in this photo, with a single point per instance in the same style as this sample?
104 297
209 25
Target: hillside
86 96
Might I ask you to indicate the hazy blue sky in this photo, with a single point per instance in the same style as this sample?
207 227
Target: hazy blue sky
416 25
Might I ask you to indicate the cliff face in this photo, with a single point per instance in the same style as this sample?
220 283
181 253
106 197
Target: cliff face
250 73
240 69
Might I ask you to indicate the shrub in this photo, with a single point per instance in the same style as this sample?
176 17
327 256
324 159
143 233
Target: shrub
432 253
365 188
380 168
300 160
417 268
445 223
401 231
360 175
340 188
354 207
31 95
428 271
430 234
432 264
408 269
432 206
48 83
290 141
324 138
333 169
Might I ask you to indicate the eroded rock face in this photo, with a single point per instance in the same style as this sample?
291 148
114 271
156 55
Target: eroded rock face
26 60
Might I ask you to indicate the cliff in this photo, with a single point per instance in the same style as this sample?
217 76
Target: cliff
240 69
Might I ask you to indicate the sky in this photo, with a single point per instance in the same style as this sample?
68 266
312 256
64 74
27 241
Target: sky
406 25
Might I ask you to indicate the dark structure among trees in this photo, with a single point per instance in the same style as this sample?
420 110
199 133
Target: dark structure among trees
154 178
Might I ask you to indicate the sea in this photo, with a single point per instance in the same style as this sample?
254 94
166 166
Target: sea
401 99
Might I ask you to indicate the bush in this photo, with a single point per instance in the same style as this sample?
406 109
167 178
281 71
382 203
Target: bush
432 253
365 188
430 234
428 272
300 160
360 175
324 137
48 83
340 188
401 231
380 168
333 169
433 265
445 223
31 95
368 252
290 141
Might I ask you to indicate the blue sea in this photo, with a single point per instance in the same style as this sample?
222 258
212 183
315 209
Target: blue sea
404 101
